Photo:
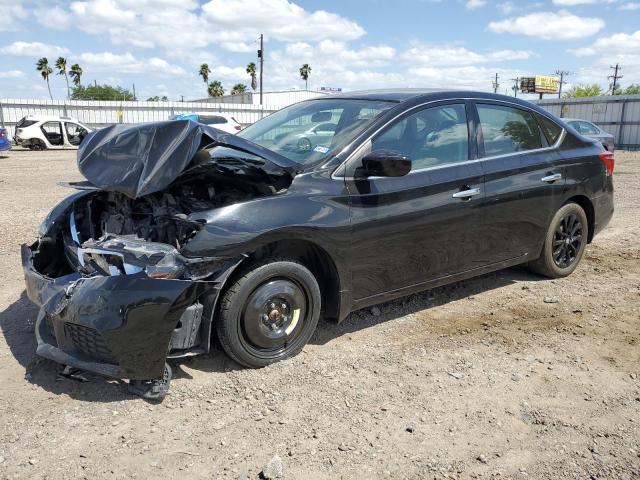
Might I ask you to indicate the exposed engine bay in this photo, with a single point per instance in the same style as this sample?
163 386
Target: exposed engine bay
159 217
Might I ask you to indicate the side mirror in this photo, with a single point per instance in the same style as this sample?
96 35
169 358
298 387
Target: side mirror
385 163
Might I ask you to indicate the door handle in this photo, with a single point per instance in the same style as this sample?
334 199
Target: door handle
468 193
551 178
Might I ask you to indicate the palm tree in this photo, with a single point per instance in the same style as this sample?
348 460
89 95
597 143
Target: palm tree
45 70
61 65
238 89
76 74
305 71
251 70
215 89
204 73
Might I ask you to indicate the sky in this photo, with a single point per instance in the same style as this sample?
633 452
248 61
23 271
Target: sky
158 45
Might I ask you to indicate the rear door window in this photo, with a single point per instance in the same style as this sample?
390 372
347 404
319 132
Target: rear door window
508 130
53 132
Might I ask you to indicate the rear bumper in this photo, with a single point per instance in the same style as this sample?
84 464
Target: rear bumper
5 145
118 326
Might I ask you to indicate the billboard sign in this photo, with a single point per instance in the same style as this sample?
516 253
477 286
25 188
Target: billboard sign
540 84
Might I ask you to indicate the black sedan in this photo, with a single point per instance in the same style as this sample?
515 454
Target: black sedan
183 234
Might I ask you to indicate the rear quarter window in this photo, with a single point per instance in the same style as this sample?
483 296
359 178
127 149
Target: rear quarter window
550 129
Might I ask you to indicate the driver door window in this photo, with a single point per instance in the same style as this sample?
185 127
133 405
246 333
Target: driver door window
431 137
75 133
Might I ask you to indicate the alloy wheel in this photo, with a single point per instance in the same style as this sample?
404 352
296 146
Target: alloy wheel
567 240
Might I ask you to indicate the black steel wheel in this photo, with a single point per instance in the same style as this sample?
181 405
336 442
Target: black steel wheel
269 313
564 244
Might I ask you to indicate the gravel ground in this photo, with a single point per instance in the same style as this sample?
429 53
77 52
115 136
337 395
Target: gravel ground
504 376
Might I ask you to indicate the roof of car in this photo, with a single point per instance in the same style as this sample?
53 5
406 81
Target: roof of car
406 94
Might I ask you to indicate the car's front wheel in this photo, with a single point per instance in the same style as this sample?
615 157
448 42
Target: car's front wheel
564 243
269 313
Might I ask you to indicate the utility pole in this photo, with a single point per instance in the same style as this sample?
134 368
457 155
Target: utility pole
562 74
134 92
515 87
496 85
615 77
261 57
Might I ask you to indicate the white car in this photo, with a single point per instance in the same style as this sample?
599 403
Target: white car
38 132
221 121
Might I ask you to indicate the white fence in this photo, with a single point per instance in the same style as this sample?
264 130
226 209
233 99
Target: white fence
100 114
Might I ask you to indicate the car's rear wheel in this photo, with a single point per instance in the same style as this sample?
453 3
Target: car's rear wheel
269 313
37 144
564 243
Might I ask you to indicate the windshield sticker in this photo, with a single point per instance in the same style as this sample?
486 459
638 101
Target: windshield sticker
321 149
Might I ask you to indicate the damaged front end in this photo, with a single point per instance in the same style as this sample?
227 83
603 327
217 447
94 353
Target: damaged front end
117 296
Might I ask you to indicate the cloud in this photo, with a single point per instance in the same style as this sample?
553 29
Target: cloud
630 6
33 49
618 43
475 4
12 74
561 25
571 3
279 19
180 25
622 48
127 63
506 8
451 55
12 13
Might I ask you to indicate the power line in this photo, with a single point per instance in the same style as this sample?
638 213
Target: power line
261 57
496 85
516 86
615 78
562 74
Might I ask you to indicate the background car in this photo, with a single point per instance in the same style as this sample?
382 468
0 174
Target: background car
590 130
319 135
5 144
221 121
45 132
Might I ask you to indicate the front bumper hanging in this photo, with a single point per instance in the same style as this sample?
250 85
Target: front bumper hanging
119 326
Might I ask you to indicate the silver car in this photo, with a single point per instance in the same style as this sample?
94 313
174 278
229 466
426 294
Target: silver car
590 130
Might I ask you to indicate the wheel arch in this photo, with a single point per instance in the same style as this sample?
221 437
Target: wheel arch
314 257
587 206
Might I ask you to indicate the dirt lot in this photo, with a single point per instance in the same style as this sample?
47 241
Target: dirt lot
504 376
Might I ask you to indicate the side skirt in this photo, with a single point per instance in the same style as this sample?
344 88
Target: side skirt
401 292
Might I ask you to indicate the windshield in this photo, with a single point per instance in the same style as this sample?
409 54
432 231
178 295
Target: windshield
292 131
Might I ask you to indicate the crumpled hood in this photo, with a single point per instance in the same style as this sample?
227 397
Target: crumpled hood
142 159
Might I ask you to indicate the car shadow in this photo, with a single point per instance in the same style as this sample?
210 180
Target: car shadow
364 318
17 323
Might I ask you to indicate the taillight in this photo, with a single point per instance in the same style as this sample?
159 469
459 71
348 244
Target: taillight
3 133
607 159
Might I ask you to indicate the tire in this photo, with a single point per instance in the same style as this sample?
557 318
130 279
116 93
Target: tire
564 243
38 145
269 313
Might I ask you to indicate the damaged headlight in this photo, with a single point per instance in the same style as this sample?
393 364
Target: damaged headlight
167 268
